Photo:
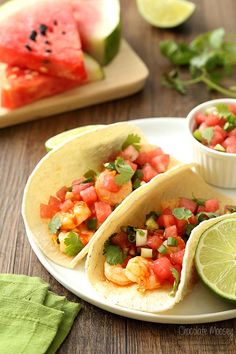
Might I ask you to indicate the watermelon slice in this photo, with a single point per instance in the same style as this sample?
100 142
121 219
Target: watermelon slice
99 27
24 86
42 35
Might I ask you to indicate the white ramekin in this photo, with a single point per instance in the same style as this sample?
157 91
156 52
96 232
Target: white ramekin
217 168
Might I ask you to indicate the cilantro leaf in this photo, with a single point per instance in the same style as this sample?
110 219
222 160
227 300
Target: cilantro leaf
230 208
207 134
73 244
132 139
223 109
110 165
125 172
182 213
199 201
113 254
54 225
175 274
172 80
90 174
205 216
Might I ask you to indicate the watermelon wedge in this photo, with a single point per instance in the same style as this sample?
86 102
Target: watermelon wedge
42 35
24 86
99 27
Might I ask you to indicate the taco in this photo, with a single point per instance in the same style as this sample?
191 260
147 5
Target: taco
74 188
144 258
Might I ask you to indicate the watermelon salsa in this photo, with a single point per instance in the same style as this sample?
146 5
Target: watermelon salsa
216 127
77 211
152 256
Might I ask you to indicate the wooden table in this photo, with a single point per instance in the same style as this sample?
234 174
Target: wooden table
21 147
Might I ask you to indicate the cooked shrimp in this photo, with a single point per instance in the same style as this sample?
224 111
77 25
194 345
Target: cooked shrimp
116 274
81 212
67 221
138 270
112 198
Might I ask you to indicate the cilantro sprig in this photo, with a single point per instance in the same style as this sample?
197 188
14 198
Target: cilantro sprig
132 139
73 244
209 58
113 254
125 171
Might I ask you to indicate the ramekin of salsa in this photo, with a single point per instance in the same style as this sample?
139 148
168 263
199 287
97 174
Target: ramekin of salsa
212 126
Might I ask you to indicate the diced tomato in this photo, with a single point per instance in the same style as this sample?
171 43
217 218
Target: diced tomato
154 241
201 209
188 204
161 268
103 210
232 132
166 220
54 203
193 220
67 205
171 231
124 264
177 257
212 120
47 211
181 225
200 118
212 205
133 165
89 195
148 172
232 108
160 162
231 149
120 239
61 193
130 153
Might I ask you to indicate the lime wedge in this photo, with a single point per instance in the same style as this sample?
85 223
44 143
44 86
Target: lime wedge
59 139
215 258
165 13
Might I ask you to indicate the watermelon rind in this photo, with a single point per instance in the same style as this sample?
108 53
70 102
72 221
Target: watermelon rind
94 70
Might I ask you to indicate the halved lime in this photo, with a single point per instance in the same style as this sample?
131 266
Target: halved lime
165 13
215 258
59 139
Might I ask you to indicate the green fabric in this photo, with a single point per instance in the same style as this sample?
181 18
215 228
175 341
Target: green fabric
32 318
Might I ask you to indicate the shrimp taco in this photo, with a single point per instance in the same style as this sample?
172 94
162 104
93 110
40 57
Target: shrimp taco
74 188
144 258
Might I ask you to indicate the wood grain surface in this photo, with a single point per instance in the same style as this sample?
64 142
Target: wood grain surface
21 147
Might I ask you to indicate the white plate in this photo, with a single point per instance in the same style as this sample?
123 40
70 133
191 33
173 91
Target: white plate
170 134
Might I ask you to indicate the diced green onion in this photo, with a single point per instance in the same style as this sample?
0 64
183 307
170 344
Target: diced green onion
92 224
151 224
146 252
197 135
171 241
162 249
141 237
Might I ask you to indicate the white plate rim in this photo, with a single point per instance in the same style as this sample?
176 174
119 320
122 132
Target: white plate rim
122 311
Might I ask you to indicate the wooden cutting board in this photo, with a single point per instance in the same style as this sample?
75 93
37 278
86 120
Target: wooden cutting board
125 75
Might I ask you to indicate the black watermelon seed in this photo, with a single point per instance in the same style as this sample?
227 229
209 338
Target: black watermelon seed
28 47
55 22
33 36
43 29
63 32
47 42
48 51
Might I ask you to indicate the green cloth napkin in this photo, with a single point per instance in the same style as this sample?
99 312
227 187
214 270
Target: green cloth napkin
32 318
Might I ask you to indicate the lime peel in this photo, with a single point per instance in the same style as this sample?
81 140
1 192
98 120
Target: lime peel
165 13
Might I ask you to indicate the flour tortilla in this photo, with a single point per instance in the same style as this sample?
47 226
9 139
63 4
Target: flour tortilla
60 167
181 182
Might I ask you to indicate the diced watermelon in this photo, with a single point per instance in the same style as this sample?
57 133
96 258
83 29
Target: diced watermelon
188 204
154 241
109 183
181 225
46 211
130 153
212 205
166 220
120 239
133 165
177 257
160 163
42 35
54 203
103 210
212 120
89 195
148 172
67 205
200 118
171 231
